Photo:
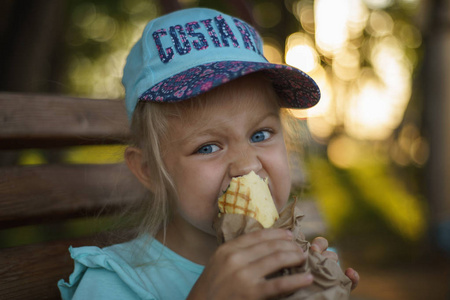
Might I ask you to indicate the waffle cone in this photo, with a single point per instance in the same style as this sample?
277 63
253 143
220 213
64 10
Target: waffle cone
249 195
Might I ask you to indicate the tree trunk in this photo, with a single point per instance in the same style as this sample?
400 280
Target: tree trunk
437 116
31 52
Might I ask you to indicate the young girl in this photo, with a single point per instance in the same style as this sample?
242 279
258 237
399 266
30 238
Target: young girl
205 107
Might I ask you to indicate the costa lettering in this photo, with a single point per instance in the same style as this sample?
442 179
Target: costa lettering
181 39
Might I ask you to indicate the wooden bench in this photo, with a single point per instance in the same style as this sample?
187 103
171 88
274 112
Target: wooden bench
55 192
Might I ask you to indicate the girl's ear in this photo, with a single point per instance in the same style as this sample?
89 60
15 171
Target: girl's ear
135 162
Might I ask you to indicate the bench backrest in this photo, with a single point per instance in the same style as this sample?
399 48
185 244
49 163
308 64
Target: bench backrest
54 192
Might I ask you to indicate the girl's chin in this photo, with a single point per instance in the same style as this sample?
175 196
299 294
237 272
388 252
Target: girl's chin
207 229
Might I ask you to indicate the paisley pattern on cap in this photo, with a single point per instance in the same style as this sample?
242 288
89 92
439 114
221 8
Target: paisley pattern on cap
294 87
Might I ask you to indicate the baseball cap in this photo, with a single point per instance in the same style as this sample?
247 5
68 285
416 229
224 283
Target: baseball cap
189 52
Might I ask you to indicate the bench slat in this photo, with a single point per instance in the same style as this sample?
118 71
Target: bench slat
48 192
32 272
38 121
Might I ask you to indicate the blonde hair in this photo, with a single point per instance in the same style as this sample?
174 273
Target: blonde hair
148 132
149 129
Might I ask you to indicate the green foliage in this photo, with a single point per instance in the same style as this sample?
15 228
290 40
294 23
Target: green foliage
368 208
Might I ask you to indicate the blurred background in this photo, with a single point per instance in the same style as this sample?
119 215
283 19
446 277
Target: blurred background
376 161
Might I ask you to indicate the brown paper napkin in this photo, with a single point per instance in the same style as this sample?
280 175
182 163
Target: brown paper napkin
330 282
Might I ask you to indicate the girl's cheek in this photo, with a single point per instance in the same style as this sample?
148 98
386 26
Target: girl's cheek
284 194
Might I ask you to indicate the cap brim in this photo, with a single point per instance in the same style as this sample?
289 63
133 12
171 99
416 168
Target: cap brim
295 88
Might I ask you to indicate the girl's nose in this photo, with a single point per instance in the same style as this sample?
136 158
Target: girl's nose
243 162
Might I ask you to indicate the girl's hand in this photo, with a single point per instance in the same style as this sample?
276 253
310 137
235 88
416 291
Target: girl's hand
320 245
238 268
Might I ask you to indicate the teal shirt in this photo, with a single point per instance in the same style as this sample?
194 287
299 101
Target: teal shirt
140 269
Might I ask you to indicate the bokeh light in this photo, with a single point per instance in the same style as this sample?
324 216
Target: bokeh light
380 24
359 56
378 4
347 64
272 51
331 25
304 11
301 53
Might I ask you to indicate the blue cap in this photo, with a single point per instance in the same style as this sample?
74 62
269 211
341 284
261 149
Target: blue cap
188 52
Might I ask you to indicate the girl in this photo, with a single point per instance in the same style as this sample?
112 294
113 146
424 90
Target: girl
205 107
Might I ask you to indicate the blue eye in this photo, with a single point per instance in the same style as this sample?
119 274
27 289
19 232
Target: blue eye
207 149
260 136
